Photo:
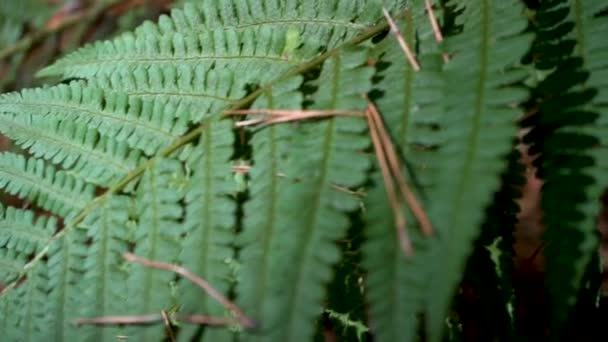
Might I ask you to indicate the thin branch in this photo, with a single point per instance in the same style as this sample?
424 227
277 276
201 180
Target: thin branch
400 223
203 284
408 52
168 326
433 19
348 191
252 122
152 319
290 112
241 169
280 116
413 203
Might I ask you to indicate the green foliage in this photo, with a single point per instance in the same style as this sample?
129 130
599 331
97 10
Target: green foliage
134 152
571 114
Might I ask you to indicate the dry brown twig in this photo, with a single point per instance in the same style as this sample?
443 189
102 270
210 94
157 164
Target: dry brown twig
385 152
400 223
435 25
163 316
226 303
274 116
168 327
395 168
434 22
395 30
152 319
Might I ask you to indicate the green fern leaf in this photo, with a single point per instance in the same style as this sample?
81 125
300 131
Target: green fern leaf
25 309
11 264
20 231
156 238
412 108
208 90
210 53
569 132
65 268
104 290
209 224
218 33
95 158
270 151
311 213
32 180
145 125
478 129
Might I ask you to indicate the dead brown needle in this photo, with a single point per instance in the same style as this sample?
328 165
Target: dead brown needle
413 203
408 52
275 116
245 321
400 223
433 19
151 319
168 327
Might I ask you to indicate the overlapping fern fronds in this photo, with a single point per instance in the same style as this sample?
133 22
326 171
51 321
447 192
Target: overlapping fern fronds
132 154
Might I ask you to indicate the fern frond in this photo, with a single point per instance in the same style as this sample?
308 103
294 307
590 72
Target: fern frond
25 308
270 147
489 272
194 54
210 223
31 179
65 268
411 104
478 130
208 90
78 148
330 17
311 213
570 133
145 125
11 264
221 34
156 237
22 232
104 288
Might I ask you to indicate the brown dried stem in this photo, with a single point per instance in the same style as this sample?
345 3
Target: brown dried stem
168 327
152 319
243 319
395 167
400 223
433 19
279 116
408 52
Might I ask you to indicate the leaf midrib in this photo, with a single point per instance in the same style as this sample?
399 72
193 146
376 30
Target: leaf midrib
316 207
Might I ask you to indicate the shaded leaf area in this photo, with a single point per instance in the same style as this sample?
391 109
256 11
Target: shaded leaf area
485 307
478 129
572 159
